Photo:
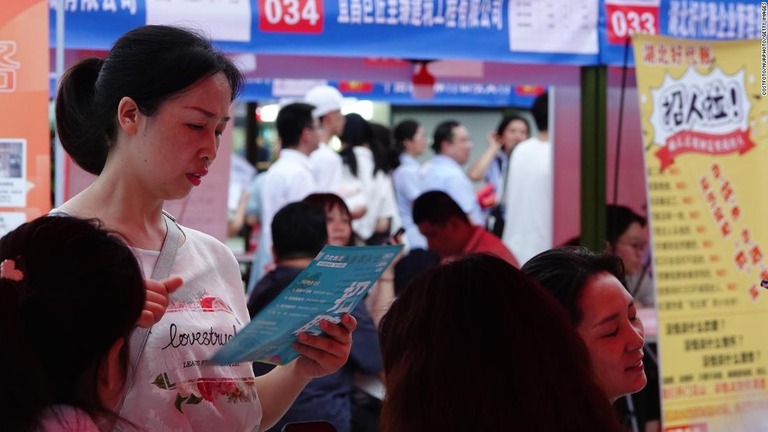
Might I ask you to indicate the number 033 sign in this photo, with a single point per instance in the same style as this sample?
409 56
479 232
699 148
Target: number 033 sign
291 16
626 17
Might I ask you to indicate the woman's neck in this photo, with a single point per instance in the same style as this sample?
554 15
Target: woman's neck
123 208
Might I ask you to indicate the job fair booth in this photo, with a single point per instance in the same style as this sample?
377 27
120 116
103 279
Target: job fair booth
672 125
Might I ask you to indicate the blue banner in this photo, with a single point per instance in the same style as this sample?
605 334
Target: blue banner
580 32
498 30
400 93
689 19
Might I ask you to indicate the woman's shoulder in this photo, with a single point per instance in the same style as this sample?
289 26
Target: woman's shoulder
200 240
197 236
64 418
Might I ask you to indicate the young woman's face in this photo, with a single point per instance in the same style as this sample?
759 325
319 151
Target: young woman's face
613 334
416 145
630 247
339 227
172 150
515 132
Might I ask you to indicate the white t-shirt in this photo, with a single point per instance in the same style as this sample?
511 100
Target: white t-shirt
326 169
529 200
288 180
174 387
378 191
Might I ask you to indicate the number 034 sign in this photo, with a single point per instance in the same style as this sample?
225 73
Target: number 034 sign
291 16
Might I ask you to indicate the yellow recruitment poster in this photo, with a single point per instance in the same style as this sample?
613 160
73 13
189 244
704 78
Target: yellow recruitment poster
25 174
705 132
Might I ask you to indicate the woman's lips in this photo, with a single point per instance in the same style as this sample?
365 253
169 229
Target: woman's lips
636 366
195 179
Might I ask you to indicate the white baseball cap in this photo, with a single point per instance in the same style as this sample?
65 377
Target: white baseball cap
325 99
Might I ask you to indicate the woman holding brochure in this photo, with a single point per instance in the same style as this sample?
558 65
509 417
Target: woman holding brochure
147 120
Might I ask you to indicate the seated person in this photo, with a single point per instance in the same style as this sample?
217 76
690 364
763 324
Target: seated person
72 293
627 237
299 232
475 345
449 232
588 286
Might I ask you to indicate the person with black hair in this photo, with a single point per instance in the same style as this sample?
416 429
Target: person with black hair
448 230
72 294
288 179
410 143
627 237
529 193
298 235
444 172
338 217
588 285
366 164
300 230
147 120
325 161
491 166
475 345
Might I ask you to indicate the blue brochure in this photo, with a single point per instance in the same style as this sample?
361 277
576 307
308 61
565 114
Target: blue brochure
332 285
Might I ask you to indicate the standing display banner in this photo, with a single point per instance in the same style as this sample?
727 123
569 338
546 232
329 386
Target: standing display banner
25 142
705 133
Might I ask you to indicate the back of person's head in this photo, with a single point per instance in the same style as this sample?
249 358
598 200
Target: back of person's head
325 99
357 132
436 207
405 130
149 64
443 132
70 292
382 147
540 111
475 345
291 121
618 219
298 231
565 271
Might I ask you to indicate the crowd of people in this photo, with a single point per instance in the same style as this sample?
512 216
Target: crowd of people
454 336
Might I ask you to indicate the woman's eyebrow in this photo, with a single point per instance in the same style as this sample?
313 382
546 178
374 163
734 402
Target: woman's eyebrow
606 320
205 112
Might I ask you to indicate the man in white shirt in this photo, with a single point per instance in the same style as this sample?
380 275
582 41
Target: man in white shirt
452 148
289 179
326 163
529 190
